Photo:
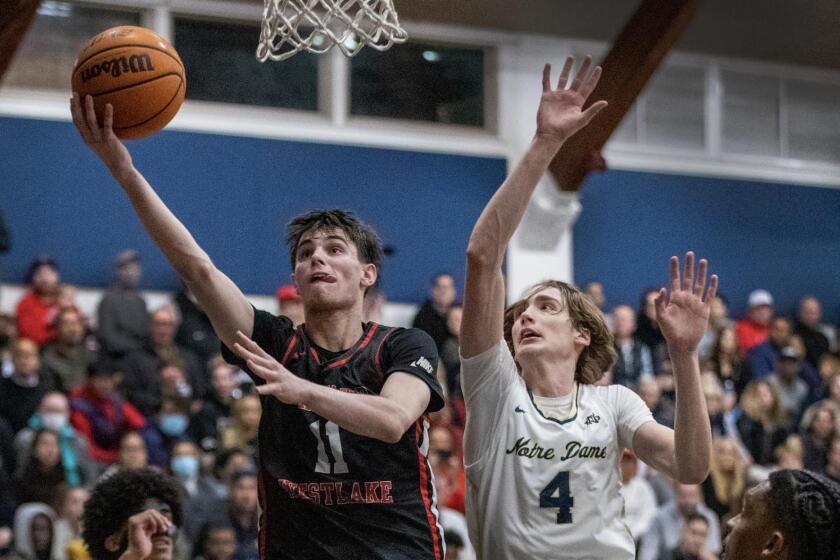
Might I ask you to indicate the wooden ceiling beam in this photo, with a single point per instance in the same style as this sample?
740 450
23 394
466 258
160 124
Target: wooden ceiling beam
649 35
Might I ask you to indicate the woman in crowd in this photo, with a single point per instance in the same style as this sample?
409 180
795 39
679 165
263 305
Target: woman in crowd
763 424
727 363
40 478
818 433
724 487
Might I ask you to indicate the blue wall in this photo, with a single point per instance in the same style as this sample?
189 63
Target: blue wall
235 195
783 238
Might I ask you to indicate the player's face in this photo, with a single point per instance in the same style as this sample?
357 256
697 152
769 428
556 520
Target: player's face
328 274
545 329
750 532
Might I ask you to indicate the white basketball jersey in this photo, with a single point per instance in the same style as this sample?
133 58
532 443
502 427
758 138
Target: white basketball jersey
539 487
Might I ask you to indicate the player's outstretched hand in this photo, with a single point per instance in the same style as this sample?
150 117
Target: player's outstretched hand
684 313
279 382
561 111
101 139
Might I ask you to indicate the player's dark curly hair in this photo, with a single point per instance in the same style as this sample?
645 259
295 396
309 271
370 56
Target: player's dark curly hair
807 506
361 234
596 358
120 496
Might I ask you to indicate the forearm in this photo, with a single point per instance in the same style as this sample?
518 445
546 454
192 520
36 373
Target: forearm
366 415
501 216
168 233
692 432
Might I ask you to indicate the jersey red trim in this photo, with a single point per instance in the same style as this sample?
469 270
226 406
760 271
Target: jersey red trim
365 341
263 521
425 484
377 355
289 349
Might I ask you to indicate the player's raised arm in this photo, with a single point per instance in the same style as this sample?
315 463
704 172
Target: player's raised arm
223 302
683 315
560 115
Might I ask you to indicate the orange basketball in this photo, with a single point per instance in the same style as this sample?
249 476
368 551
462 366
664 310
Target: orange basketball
135 70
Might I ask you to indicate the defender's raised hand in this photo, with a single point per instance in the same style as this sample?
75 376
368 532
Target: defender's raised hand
561 111
684 316
101 139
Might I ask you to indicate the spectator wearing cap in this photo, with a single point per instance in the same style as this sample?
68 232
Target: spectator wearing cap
762 358
787 380
38 306
21 392
68 357
793 515
289 304
99 413
809 327
123 320
753 328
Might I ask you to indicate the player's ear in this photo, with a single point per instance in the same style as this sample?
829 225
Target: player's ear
369 275
582 336
112 542
774 545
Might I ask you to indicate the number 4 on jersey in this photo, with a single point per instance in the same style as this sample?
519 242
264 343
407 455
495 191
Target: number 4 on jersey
556 495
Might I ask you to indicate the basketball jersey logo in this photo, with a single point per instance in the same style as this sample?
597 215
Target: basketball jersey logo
592 419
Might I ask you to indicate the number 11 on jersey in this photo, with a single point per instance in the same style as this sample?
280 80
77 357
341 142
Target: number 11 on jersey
330 455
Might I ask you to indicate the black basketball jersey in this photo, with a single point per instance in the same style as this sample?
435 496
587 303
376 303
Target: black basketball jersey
329 493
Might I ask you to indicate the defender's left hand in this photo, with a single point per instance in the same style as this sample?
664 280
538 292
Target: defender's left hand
684 315
279 381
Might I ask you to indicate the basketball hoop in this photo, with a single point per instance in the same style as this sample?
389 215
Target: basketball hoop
292 26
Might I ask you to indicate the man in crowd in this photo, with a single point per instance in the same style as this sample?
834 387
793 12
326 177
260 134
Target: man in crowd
21 393
68 358
37 308
432 315
123 321
752 328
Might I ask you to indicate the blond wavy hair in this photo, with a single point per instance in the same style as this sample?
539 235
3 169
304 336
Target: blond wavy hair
596 358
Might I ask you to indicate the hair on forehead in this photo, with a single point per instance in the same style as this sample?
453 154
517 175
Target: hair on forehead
367 243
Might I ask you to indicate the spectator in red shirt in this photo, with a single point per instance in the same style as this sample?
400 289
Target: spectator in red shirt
753 328
100 414
38 307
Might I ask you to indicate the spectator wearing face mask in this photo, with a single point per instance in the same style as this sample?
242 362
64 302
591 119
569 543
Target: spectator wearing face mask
54 414
199 493
166 429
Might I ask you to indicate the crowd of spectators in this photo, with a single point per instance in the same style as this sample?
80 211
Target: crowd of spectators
84 397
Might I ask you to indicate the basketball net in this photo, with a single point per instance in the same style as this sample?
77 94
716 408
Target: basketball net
292 26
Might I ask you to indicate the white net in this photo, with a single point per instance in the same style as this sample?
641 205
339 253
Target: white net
292 26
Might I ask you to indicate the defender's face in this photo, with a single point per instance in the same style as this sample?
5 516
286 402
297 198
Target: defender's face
749 532
545 328
328 274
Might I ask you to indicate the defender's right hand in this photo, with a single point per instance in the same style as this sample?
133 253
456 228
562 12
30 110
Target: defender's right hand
101 140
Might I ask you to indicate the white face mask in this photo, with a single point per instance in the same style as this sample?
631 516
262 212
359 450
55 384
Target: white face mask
54 420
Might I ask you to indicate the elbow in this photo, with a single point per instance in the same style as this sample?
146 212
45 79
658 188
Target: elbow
393 431
198 272
694 475
480 256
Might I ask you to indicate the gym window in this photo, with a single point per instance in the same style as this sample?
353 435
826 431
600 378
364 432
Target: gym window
221 66
420 82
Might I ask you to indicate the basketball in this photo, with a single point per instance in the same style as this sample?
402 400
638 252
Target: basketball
135 70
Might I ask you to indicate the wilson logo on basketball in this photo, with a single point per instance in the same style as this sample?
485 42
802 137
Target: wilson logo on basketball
118 66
